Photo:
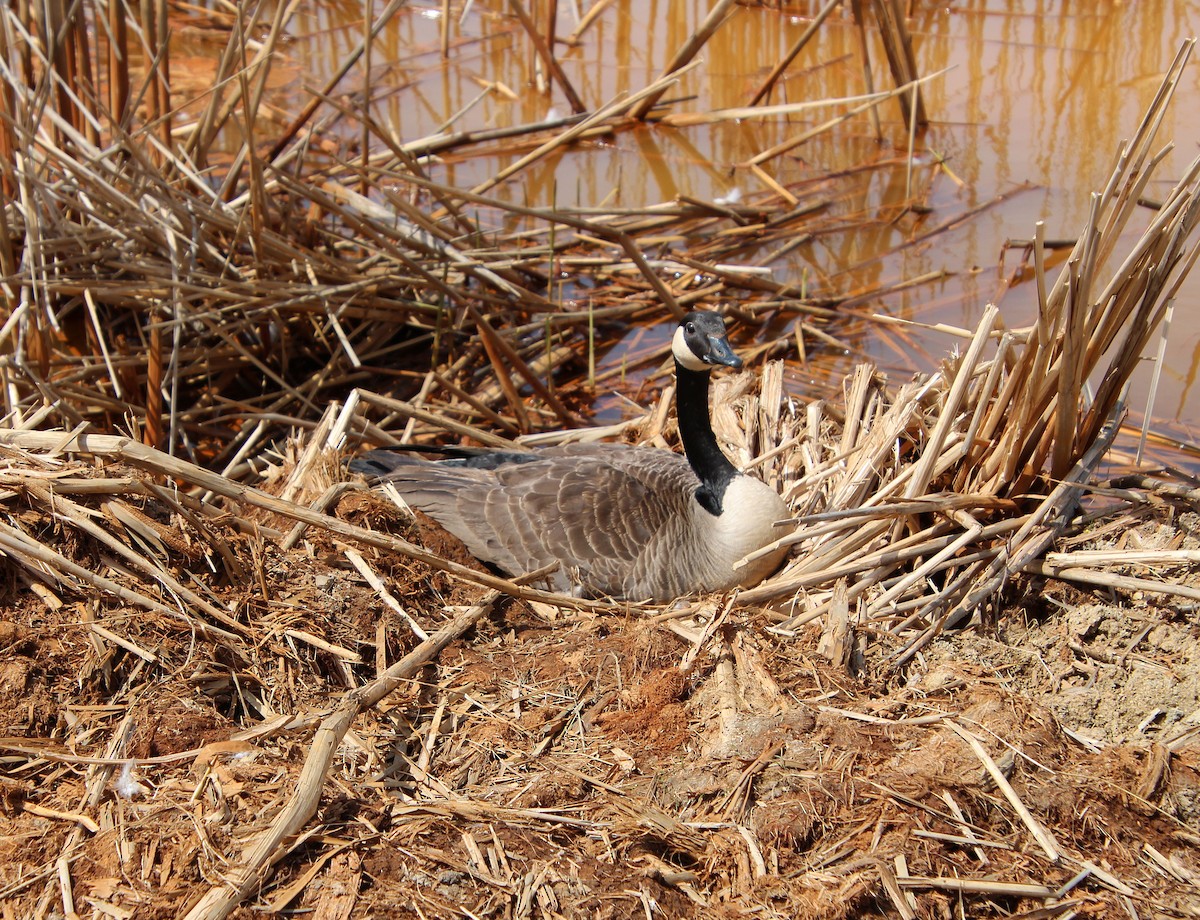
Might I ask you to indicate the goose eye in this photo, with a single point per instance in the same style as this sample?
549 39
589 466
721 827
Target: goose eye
690 328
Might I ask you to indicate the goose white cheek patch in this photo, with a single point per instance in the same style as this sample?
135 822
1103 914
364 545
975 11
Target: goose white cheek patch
684 355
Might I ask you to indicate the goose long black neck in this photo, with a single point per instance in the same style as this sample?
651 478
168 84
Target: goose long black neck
710 465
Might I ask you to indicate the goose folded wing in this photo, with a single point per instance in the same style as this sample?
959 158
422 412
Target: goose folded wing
597 515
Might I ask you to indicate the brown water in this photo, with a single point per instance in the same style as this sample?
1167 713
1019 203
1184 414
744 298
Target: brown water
1035 101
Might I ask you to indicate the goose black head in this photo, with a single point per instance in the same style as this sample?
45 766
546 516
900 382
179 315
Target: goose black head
700 342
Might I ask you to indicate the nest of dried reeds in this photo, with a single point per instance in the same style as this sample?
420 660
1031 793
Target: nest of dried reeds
281 692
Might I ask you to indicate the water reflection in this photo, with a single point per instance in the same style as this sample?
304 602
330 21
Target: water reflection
1026 123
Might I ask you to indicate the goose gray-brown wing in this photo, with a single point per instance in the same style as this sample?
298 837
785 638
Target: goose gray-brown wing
601 511
612 510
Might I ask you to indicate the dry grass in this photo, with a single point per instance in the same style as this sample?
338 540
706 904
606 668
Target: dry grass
236 682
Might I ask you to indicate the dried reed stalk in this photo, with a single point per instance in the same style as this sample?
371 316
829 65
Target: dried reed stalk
545 50
897 44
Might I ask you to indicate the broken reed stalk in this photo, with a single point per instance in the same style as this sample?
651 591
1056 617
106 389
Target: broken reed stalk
118 65
153 433
764 90
157 31
364 135
897 45
1159 360
59 38
717 116
864 49
864 104
593 13
684 56
8 142
544 46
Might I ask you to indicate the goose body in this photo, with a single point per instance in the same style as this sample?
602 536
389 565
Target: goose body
631 522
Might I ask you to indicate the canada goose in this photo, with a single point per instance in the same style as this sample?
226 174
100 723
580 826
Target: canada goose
631 522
